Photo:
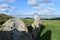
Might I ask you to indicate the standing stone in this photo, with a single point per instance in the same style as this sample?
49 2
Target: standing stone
36 26
14 23
15 29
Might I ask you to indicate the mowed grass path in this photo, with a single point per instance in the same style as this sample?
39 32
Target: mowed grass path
51 30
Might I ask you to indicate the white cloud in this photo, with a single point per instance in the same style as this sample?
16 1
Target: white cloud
40 4
3 10
43 6
45 11
32 2
43 1
23 13
29 13
51 10
35 2
39 7
51 5
48 10
6 8
13 8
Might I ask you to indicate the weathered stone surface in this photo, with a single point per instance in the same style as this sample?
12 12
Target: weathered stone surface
36 26
15 29
14 23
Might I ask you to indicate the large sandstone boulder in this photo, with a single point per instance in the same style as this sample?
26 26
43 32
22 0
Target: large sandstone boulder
15 29
36 25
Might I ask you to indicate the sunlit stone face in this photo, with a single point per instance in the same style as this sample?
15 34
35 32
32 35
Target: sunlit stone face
14 23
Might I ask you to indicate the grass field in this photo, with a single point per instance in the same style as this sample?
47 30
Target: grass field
52 26
51 29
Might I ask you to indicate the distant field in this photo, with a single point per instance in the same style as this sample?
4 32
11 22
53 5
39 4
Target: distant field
51 30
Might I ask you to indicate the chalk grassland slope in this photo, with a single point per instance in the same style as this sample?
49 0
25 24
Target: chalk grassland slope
4 18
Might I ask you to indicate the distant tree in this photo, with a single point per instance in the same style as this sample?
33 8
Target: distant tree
28 18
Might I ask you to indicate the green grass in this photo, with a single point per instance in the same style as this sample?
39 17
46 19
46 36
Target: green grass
51 30
28 22
54 27
4 18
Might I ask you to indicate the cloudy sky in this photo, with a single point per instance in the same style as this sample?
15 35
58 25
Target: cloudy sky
29 7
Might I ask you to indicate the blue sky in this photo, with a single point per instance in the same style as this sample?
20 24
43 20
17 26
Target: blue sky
22 6
29 7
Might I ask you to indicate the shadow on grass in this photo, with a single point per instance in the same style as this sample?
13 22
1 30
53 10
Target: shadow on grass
45 36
